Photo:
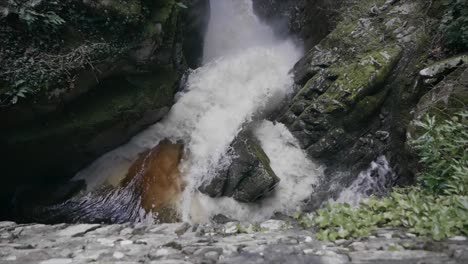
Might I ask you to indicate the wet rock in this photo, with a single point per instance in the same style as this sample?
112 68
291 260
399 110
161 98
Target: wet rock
182 229
231 228
438 69
250 175
221 219
155 176
273 225
78 230
248 178
162 253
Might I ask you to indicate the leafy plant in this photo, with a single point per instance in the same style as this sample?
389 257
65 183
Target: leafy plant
27 13
454 24
442 149
20 90
422 214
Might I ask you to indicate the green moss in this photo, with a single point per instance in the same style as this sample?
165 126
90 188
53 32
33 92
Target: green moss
358 79
258 151
349 24
341 35
162 10
125 8
364 109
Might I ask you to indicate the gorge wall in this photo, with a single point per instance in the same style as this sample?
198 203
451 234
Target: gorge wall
102 73
359 84
259 139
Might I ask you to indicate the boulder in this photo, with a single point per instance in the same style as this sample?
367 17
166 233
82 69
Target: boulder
440 68
248 178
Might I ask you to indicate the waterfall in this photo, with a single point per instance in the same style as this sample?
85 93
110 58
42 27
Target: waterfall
376 180
246 72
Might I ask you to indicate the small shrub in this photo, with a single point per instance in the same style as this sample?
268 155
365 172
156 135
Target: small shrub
454 24
442 149
436 216
27 13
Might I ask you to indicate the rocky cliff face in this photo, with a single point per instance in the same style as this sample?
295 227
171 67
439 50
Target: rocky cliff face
349 110
92 74
358 82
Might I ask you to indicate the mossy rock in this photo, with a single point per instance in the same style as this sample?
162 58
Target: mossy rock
249 177
359 83
349 86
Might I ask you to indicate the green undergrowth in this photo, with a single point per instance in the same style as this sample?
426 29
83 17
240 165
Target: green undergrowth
437 207
411 208
442 148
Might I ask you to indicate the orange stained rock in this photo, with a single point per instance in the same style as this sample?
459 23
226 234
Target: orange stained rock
156 177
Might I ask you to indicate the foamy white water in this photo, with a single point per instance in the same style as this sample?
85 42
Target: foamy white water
246 71
297 173
376 179
233 28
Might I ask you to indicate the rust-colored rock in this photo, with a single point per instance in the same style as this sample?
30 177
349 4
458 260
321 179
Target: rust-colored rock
156 177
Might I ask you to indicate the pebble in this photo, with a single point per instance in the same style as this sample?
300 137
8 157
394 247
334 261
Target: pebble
386 235
126 242
458 238
106 242
118 255
212 255
126 231
11 258
273 225
231 228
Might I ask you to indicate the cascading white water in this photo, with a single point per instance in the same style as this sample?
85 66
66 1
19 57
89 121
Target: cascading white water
246 71
377 179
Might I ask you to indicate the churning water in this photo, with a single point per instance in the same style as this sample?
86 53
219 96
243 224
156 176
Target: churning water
245 74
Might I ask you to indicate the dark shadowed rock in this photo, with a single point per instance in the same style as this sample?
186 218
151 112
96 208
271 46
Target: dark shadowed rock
310 21
249 177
